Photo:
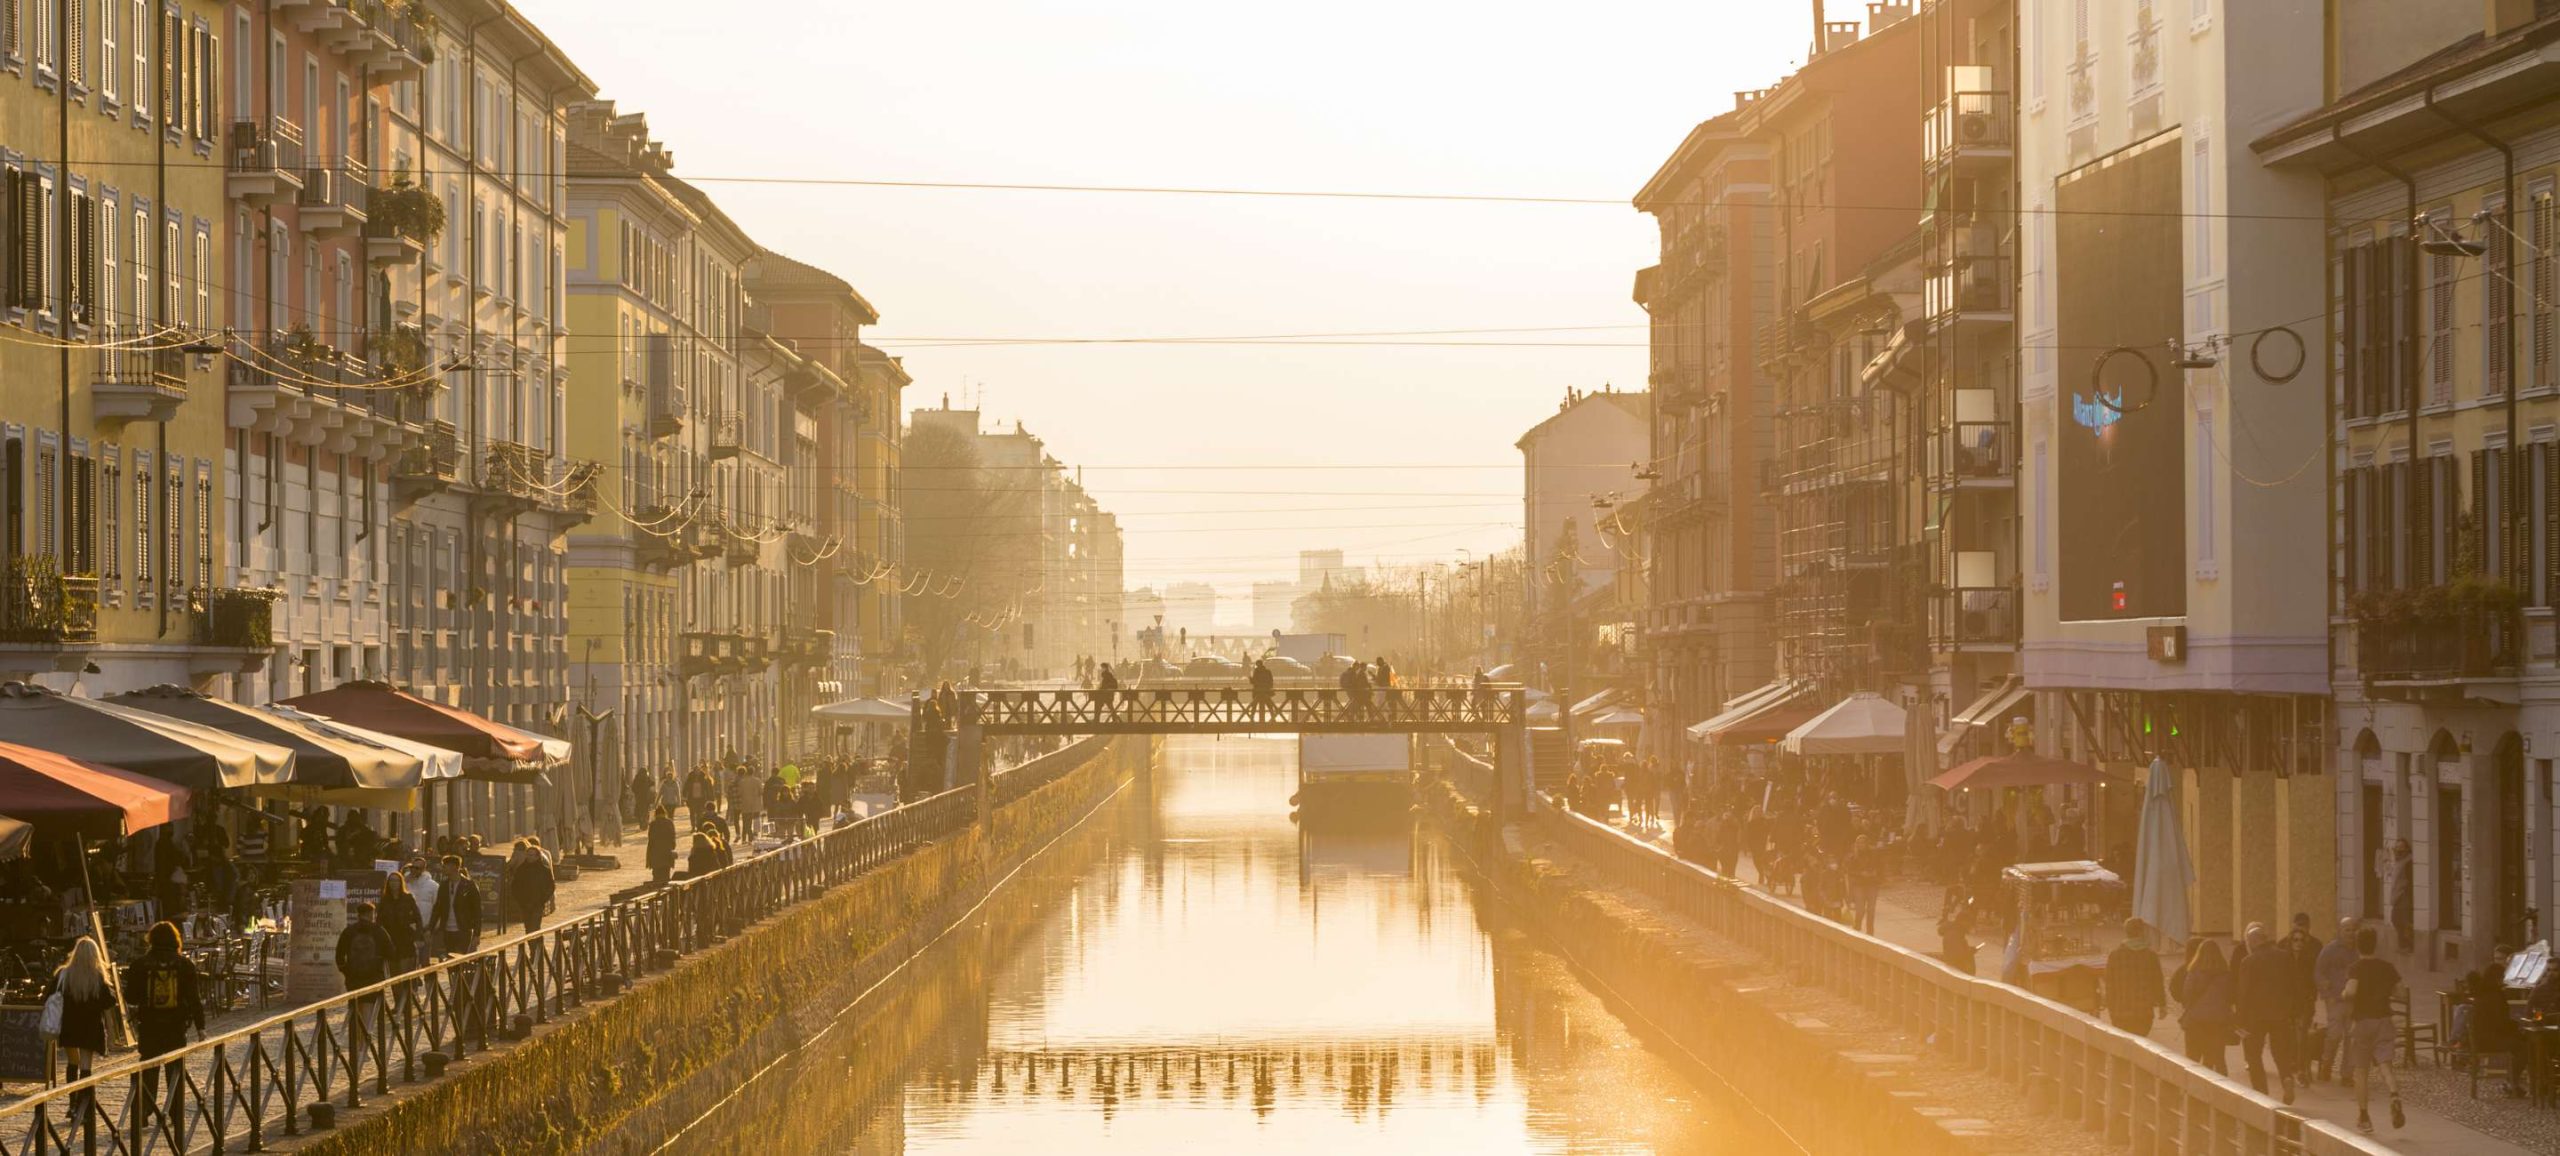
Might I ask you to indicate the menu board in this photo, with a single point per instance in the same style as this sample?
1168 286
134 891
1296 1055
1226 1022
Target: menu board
24 1053
311 952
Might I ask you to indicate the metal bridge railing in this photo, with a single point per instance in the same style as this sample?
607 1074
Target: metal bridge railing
2131 1090
241 1090
1208 708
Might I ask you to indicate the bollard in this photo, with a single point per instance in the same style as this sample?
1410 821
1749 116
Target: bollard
663 958
324 1115
435 1063
519 1026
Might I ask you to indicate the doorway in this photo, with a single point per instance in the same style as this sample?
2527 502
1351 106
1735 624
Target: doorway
2515 905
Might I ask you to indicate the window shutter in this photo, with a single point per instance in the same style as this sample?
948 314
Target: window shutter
75 62
2422 524
26 206
2538 282
2353 503
2550 524
2350 283
2478 534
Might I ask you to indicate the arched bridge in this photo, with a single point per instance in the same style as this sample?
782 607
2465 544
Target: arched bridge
1235 710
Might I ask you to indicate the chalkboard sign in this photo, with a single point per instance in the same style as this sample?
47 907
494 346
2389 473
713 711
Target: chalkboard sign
24 1052
490 872
311 954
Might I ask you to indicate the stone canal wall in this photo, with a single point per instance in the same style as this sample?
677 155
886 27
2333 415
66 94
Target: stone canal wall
620 1075
1847 1042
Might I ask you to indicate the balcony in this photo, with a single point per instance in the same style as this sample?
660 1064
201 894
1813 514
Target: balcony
384 38
2438 644
234 618
666 407
316 395
432 466
1969 288
1974 617
754 653
512 480
266 161
701 652
40 606
803 647
668 537
725 432
139 384
576 500
1974 455
1970 128
333 201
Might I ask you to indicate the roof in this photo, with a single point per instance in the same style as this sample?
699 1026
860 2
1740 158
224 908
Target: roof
1636 402
1710 137
2373 109
769 271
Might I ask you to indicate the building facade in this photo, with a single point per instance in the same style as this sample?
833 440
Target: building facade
2440 148
2171 488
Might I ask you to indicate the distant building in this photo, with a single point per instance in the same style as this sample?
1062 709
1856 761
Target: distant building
1317 568
1190 607
1589 449
1271 605
1141 612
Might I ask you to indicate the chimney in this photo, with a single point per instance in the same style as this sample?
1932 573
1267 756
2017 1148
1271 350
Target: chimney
1888 13
2505 16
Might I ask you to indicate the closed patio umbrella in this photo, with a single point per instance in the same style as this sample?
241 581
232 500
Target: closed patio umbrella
195 757
2161 870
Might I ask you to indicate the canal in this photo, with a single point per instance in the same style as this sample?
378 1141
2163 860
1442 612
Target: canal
1191 971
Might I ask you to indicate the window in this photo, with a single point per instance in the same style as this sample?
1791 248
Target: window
43 34
138 33
80 514
75 41
244 97
2441 277
202 268
142 294
81 289
172 268
13 34
173 513
48 490
142 523
2200 222
110 533
110 62
2539 290
110 266
204 526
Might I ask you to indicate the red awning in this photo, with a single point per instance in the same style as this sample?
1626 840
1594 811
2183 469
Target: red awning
2018 770
379 706
61 793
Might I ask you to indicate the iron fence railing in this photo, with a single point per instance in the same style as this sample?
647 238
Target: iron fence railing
2132 1090
246 1089
1236 709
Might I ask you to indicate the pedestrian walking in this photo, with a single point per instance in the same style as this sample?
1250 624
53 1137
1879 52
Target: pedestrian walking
364 950
747 798
529 883
703 857
161 992
2371 981
400 924
456 919
80 1025
2329 975
662 846
2302 950
2204 991
2134 995
421 881
2263 1010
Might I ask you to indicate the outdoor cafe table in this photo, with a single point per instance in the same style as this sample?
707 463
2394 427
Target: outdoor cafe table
2542 1047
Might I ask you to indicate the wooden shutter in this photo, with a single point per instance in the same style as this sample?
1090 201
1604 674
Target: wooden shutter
75 62
2351 274
2477 536
2549 525
2352 535
26 205
2422 523
2538 283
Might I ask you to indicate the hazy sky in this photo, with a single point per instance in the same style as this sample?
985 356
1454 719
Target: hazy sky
1497 98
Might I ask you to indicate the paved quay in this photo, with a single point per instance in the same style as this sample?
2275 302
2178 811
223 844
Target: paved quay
2443 1117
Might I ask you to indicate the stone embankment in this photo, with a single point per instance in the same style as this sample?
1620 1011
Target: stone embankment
620 1075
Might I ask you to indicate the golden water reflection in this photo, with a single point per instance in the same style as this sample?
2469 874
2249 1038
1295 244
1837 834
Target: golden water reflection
1214 979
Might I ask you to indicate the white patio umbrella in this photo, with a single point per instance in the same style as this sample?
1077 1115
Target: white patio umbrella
855 710
2161 870
1621 717
1861 724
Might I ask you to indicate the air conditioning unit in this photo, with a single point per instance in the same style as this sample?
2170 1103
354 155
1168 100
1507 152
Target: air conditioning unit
1976 128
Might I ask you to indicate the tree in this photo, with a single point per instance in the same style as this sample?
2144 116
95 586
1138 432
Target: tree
966 534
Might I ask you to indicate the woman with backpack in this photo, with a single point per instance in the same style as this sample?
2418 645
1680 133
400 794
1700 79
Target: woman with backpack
80 1021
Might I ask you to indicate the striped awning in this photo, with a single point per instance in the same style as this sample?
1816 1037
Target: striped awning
1764 715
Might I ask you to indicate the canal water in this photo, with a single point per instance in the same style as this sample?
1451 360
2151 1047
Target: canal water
1192 971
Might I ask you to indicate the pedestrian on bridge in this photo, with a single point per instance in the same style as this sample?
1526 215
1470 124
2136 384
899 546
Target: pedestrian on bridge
2264 985
529 883
2134 995
1262 683
455 921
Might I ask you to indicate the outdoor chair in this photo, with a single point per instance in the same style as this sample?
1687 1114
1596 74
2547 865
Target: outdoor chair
2502 1064
2415 1035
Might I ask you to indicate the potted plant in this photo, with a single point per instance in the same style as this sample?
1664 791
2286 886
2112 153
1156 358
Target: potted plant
406 208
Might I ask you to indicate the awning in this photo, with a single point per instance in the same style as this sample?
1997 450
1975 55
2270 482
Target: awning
1765 715
1594 702
1994 708
1861 724
338 769
1621 717
433 762
2022 769
494 751
197 758
60 793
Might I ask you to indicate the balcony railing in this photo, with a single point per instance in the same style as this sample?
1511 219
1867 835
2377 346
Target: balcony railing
265 160
40 605
2465 642
725 432
1969 123
334 200
1977 285
1977 451
234 618
1975 616
432 465
140 384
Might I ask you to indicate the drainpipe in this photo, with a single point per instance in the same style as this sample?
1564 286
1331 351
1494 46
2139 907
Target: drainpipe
2507 472
2409 317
